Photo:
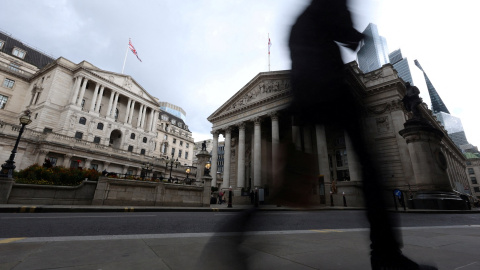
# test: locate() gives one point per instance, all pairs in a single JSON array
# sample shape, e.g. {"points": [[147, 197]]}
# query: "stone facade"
{"points": [[473, 172], [253, 125], [82, 116]]}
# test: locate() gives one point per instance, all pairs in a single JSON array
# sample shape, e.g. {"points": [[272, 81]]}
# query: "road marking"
{"points": [[37, 217], [326, 231], [465, 265], [215, 209], [129, 209], [10, 240]]}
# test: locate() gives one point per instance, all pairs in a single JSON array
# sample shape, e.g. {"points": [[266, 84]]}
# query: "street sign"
{"points": [[397, 193]]}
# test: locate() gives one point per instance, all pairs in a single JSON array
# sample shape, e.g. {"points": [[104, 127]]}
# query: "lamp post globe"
{"points": [[9, 165]]}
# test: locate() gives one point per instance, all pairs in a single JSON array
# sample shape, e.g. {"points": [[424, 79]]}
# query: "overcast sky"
{"points": [[197, 53]]}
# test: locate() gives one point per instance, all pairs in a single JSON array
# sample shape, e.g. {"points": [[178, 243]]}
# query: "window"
{"points": [[180, 153], [164, 148], [14, 67], [94, 167], [174, 140], [116, 114], [174, 122], [1, 43], [83, 103], [3, 101], [470, 171], [78, 135], [142, 152], [100, 126], [96, 139], [179, 125], [19, 53], [173, 151], [164, 117], [145, 139], [82, 120], [132, 136], [8, 83], [474, 180], [476, 189], [47, 130], [186, 155], [130, 148], [187, 145], [181, 143], [165, 137], [341, 156], [469, 163]]}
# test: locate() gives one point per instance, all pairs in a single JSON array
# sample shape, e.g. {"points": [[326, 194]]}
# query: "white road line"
{"points": [[124, 216], [465, 265], [212, 234]]}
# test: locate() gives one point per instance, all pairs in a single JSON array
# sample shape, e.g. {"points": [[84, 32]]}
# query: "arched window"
{"points": [[132, 136], [145, 139], [82, 120], [100, 126]]}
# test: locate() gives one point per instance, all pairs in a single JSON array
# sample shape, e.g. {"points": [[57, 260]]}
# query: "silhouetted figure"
{"points": [[204, 146], [411, 100], [47, 164], [321, 96]]}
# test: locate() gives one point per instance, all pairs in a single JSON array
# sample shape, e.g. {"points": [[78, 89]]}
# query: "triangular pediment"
{"points": [[124, 81], [264, 86]]}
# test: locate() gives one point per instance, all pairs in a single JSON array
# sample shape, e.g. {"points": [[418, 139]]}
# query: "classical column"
{"points": [[354, 167], [129, 103], [99, 100], [34, 99], [66, 160], [322, 152], [257, 153], [214, 168], [131, 113], [114, 107], [142, 123], [82, 92], [275, 146], [150, 122], [88, 162], [241, 156], [110, 103], [94, 99], [227, 155], [155, 118], [76, 88], [140, 113]]}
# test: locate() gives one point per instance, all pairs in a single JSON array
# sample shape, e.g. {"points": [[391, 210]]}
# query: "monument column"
{"points": [[226, 164], [214, 158], [110, 103], [66, 160], [354, 167], [275, 147], [82, 92], [114, 107], [99, 99], [257, 154], [88, 162], [241, 156]]}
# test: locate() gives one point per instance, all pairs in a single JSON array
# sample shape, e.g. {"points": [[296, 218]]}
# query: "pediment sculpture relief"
{"points": [[262, 90]]}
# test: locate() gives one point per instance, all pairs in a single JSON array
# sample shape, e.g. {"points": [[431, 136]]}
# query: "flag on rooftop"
{"points": [[130, 45], [269, 45]]}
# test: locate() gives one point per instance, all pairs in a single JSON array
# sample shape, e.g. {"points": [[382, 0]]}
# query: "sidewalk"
{"points": [[449, 247], [17, 208]]}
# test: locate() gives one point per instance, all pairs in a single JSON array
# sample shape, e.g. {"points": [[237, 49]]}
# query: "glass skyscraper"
{"points": [[401, 65], [437, 102], [373, 53]]}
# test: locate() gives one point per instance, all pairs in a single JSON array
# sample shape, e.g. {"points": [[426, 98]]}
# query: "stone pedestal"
{"points": [[429, 167], [207, 190], [203, 157], [5, 189]]}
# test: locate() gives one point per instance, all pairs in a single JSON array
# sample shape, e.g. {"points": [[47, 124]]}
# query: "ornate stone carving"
{"points": [[372, 76], [257, 120], [127, 83], [383, 124], [274, 115], [241, 125], [262, 90], [394, 105]]}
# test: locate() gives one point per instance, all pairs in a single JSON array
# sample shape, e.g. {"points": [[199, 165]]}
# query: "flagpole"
{"points": [[125, 60], [268, 35]]}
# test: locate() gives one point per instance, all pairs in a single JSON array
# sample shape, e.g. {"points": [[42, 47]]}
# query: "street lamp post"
{"points": [[187, 180], [9, 165], [171, 162], [146, 168]]}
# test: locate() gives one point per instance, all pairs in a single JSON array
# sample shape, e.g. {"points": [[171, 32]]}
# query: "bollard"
{"points": [[230, 197], [331, 198], [344, 200]]}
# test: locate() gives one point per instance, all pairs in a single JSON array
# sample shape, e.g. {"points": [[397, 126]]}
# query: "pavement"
{"points": [[447, 247], [19, 208]]}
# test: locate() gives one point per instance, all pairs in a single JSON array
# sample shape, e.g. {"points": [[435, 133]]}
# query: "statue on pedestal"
{"points": [[411, 100]]}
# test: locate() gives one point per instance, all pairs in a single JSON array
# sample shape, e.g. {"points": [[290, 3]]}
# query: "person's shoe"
{"points": [[396, 262]]}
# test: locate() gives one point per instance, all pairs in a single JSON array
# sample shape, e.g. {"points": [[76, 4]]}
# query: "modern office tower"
{"points": [[401, 65], [373, 53], [453, 125], [437, 103]]}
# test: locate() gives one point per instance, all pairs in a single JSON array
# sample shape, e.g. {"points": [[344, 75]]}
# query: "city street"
{"points": [[209, 240]]}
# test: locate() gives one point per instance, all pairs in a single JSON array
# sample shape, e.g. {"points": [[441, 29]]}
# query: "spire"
{"points": [[437, 103]]}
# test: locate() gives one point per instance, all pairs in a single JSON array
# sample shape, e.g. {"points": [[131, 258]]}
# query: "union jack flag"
{"points": [[130, 45]]}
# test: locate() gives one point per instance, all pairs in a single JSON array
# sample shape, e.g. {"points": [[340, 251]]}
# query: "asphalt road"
{"points": [[92, 224]]}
